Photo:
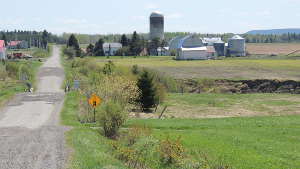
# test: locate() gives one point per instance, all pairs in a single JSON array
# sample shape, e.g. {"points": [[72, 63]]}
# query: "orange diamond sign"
{"points": [[94, 100]]}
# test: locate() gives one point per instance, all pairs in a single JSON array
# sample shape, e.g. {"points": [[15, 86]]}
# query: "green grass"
{"points": [[229, 68], [11, 86], [230, 105], [90, 149], [243, 143]]}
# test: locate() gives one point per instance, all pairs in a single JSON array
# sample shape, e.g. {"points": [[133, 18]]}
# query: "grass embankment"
{"points": [[242, 143], [91, 150], [230, 105], [229, 68], [11, 85]]}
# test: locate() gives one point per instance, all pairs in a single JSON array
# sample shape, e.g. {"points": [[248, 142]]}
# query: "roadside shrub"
{"points": [[135, 69], [171, 152], [12, 69], [3, 73], [25, 70], [70, 52], [111, 117], [41, 53], [109, 68], [118, 89], [135, 133]]}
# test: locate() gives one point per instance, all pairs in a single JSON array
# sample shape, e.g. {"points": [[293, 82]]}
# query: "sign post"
{"points": [[94, 101]]}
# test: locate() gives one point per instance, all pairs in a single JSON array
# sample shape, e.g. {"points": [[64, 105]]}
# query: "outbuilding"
{"points": [[110, 49]]}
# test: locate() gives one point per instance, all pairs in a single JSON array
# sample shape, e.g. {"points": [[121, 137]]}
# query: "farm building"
{"points": [[2, 50], [110, 49], [156, 25], [192, 48], [18, 45], [236, 46]]}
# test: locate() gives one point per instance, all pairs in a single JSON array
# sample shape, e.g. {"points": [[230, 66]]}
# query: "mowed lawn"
{"points": [[230, 68], [242, 143], [230, 105]]}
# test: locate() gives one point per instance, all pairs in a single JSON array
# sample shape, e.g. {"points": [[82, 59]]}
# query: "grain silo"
{"points": [[237, 46], [219, 47], [156, 26]]}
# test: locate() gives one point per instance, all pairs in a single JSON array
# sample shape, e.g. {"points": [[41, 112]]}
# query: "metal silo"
{"points": [[220, 47], [156, 25], [237, 46]]}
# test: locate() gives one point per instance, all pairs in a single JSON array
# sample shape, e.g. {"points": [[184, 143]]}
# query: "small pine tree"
{"points": [[73, 43], [98, 50], [147, 97]]}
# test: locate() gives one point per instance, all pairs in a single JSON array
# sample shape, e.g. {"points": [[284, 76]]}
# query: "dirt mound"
{"points": [[242, 86]]}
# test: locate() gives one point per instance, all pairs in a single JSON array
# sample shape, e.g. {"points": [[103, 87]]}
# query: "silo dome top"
{"points": [[236, 37], [156, 14]]}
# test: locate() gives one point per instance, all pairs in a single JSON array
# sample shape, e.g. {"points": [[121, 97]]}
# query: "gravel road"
{"points": [[30, 134]]}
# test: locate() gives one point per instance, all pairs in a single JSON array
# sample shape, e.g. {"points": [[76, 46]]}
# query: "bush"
{"points": [[70, 52], [109, 68], [135, 69], [12, 69], [171, 152], [112, 116]]}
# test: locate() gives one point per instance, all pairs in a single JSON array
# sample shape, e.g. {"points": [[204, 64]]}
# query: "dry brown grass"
{"points": [[272, 48]]}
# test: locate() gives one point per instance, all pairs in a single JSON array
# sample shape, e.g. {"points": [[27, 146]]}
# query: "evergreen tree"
{"points": [[154, 45], [147, 97], [73, 42], [124, 40], [45, 37], [98, 50], [135, 44]]}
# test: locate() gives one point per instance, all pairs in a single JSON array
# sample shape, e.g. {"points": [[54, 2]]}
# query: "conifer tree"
{"points": [[147, 97], [98, 50]]}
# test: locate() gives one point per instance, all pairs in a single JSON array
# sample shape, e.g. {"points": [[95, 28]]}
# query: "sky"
{"points": [[126, 16]]}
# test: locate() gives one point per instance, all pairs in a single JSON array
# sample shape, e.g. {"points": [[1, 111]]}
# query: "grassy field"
{"points": [[272, 48], [242, 143], [215, 69], [231, 105], [268, 139]]}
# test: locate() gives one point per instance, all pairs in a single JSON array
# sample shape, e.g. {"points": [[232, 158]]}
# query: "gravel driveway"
{"points": [[30, 135]]}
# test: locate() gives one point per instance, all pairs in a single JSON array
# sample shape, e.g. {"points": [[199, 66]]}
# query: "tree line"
{"points": [[34, 38], [136, 45]]}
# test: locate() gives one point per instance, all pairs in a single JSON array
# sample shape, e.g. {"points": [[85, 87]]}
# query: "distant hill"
{"points": [[274, 31]]}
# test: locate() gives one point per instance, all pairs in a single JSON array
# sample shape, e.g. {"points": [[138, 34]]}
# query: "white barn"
{"points": [[192, 48]]}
